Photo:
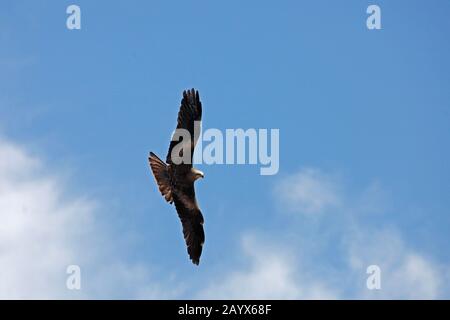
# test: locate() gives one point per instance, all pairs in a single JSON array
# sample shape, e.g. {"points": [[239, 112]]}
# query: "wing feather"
{"points": [[189, 117], [192, 222]]}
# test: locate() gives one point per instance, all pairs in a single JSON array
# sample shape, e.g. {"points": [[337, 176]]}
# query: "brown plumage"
{"points": [[175, 180]]}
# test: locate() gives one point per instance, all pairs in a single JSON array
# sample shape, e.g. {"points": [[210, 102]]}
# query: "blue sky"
{"points": [[364, 128]]}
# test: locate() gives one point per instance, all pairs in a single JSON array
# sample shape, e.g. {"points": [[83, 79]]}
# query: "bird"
{"points": [[175, 179]]}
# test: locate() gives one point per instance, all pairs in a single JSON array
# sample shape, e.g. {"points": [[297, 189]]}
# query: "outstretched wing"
{"points": [[189, 118], [191, 220], [172, 178]]}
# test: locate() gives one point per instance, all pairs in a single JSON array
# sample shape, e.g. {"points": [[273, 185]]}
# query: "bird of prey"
{"points": [[176, 179]]}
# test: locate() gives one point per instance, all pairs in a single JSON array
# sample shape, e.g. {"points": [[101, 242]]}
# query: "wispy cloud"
{"points": [[272, 272], [309, 191], [406, 272], [38, 227], [44, 229]]}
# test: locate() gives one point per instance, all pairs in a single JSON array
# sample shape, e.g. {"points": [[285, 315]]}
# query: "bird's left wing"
{"points": [[189, 118]]}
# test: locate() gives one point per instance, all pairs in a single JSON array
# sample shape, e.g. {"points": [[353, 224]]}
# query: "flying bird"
{"points": [[175, 179]]}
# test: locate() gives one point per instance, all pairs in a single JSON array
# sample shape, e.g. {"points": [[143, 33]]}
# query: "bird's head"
{"points": [[197, 174]]}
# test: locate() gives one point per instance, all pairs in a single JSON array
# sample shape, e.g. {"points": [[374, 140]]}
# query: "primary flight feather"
{"points": [[176, 179]]}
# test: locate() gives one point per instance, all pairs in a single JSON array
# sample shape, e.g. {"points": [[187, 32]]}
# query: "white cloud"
{"points": [[309, 191], [415, 278], [37, 229], [43, 230], [406, 272], [272, 273]]}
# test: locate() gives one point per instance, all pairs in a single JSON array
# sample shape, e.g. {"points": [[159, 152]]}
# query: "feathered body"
{"points": [[176, 181]]}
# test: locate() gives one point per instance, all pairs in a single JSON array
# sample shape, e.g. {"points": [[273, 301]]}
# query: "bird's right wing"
{"points": [[192, 221], [189, 118]]}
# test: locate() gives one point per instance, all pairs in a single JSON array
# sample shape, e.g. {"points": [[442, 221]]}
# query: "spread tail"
{"points": [[161, 174]]}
